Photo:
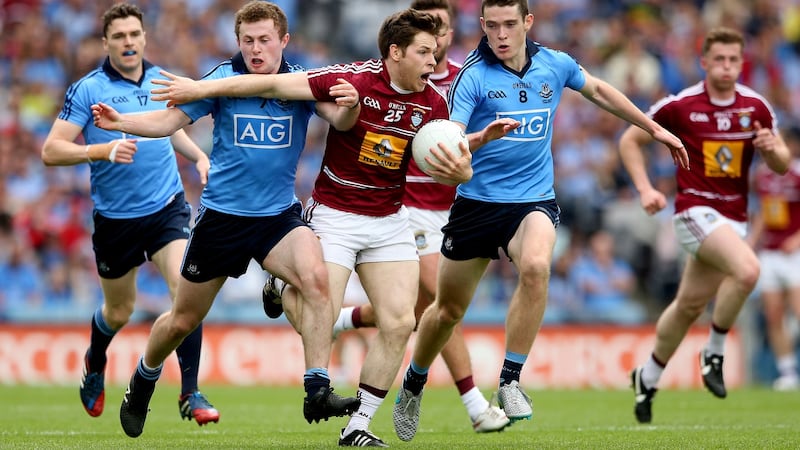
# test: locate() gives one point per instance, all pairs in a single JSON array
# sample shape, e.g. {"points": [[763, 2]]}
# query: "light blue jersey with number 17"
{"points": [[151, 182], [519, 167]]}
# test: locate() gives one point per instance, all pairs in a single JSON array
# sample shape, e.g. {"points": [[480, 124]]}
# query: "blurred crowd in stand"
{"points": [[613, 263]]}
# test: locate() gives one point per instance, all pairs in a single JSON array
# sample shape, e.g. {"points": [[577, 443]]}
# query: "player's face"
{"points": [[723, 65], [124, 42], [506, 31], [445, 38], [261, 46], [417, 64]]}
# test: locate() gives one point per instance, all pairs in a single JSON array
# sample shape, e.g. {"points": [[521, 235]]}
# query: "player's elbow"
{"points": [[47, 155], [785, 166]]}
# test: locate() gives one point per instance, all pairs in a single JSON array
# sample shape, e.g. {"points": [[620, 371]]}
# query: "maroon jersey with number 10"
{"points": [[364, 169], [719, 141]]}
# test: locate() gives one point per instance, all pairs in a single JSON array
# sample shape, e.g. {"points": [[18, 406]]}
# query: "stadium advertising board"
{"points": [[563, 357]]}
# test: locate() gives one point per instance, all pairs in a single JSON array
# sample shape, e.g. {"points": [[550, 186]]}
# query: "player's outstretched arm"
{"points": [[150, 124], [177, 90], [343, 114], [612, 100]]}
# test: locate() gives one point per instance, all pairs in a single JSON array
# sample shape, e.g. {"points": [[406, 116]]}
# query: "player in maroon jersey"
{"points": [[356, 207], [722, 124], [428, 204], [776, 231]]}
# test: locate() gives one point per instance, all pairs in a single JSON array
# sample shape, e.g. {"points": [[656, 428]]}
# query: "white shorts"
{"points": [[350, 239], [778, 270], [426, 225], [695, 224]]}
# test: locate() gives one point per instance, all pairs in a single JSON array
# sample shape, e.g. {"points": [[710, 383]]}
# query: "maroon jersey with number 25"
{"points": [[364, 169]]}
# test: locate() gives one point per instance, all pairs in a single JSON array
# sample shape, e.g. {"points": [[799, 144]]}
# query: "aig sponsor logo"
{"points": [[534, 124], [264, 132]]}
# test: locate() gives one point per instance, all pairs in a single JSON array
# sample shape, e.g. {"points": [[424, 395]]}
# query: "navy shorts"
{"points": [[479, 229], [223, 244], [122, 244]]}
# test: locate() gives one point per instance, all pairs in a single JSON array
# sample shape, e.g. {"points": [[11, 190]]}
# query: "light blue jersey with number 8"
{"points": [[519, 167]]}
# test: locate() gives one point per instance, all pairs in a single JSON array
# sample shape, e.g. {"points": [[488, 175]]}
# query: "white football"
{"points": [[429, 136]]}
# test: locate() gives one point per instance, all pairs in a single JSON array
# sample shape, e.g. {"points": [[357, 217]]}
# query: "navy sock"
{"points": [[413, 380], [189, 359], [99, 341], [510, 372], [145, 375], [316, 379]]}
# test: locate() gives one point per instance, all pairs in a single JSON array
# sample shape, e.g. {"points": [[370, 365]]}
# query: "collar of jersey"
{"points": [[114, 75], [531, 49]]}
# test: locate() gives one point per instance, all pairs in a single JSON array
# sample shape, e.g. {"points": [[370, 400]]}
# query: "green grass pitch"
{"points": [[271, 417]]}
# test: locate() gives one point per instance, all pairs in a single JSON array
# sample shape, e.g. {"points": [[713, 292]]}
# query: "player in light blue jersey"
{"points": [[248, 210], [509, 203], [139, 208]]}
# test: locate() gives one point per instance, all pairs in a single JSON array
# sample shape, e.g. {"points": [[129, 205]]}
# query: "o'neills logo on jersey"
{"points": [[416, 117], [266, 132], [382, 150]]}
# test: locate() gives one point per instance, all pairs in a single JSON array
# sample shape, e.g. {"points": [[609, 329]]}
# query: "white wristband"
{"points": [[113, 154]]}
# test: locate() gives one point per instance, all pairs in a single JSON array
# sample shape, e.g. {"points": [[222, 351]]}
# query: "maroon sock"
{"points": [[357, 323], [718, 329], [380, 393], [658, 361], [464, 385]]}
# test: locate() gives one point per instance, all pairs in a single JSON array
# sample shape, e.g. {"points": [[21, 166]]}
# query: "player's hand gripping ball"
{"points": [[429, 136]]}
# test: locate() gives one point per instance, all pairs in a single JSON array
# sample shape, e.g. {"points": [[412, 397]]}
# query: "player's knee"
{"points": [[314, 284], [449, 314], [118, 315], [747, 276], [691, 310], [534, 272], [399, 327], [181, 326]]}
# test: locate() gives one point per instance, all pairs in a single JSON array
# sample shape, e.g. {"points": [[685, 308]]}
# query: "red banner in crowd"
{"points": [[562, 357]]}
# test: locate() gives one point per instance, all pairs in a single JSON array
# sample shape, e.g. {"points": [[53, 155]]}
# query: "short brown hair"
{"points": [[120, 11], [400, 29], [722, 35], [257, 10], [522, 5]]}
